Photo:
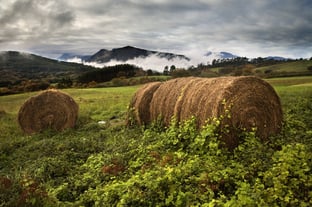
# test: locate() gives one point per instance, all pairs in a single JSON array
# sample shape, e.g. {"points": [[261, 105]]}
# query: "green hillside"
{"points": [[299, 67], [17, 66]]}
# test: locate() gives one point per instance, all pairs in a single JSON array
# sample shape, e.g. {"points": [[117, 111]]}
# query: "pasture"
{"points": [[109, 164]]}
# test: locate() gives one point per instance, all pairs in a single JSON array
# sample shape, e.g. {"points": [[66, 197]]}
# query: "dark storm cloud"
{"points": [[25, 20], [285, 22], [239, 26]]}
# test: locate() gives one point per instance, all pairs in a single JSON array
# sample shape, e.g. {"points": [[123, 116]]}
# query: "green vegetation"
{"points": [[16, 67], [23, 72], [108, 164], [290, 67], [266, 68]]}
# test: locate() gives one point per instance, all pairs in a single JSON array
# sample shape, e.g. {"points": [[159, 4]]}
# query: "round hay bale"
{"points": [[140, 102], [50, 109], [241, 103]]}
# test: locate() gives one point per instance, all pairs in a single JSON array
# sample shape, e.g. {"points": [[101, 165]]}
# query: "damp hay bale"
{"points": [[240, 103], [50, 109], [139, 105]]}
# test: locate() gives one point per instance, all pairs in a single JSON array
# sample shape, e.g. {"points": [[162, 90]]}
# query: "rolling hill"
{"points": [[17, 66]]}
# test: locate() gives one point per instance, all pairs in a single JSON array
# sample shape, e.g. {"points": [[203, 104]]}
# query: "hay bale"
{"points": [[243, 102], [50, 109], [140, 102]]}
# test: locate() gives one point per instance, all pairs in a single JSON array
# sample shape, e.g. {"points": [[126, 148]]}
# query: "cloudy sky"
{"points": [[248, 28]]}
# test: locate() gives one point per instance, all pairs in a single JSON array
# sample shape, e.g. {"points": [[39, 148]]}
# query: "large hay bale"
{"points": [[241, 103], [50, 109], [140, 103]]}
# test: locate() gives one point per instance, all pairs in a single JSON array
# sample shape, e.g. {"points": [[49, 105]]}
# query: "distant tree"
{"points": [[149, 72], [166, 70], [92, 84], [108, 73], [65, 83], [172, 68], [181, 73], [214, 62], [34, 85], [226, 70]]}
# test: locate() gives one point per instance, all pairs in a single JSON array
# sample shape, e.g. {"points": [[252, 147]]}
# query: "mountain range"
{"points": [[122, 54], [17, 66], [146, 59], [129, 53]]}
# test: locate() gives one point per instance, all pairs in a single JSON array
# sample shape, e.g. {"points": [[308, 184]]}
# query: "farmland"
{"points": [[109, 164]]}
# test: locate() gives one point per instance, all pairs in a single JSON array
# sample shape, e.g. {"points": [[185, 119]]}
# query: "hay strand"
{"points": [[50, 109]]}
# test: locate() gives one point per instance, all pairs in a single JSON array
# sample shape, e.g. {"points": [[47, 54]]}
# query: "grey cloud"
{"points": [[160, 24], [33, 18]]}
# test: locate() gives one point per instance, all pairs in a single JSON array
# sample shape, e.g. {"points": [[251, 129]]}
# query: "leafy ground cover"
{"points": [[109, 164]]}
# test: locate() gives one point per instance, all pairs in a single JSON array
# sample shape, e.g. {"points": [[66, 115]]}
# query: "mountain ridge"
{"points": [[128, 53], [220, 55]]}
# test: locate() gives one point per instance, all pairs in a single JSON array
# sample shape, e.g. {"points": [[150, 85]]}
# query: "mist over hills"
{"points": [[17, 66], [20, 71], [68, 56], [147, 59], [128, 52], [220, 55]]}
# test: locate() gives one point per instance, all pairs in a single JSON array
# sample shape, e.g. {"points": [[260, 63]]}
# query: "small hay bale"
{"points": [[243, 103], [50, 109], [140, 102]]}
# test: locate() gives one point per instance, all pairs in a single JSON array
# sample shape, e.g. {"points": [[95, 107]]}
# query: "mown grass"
{"points": [[95, 104], [103, 103], [104, 99], [109, 165]]}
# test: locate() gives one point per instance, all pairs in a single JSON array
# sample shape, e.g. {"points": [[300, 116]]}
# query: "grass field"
{"points": [[111, 165], [104, 103], [297, 66]]}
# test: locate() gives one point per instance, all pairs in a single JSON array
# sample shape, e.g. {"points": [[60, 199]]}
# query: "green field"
{"points": [[112, 165], [288, 67]]}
